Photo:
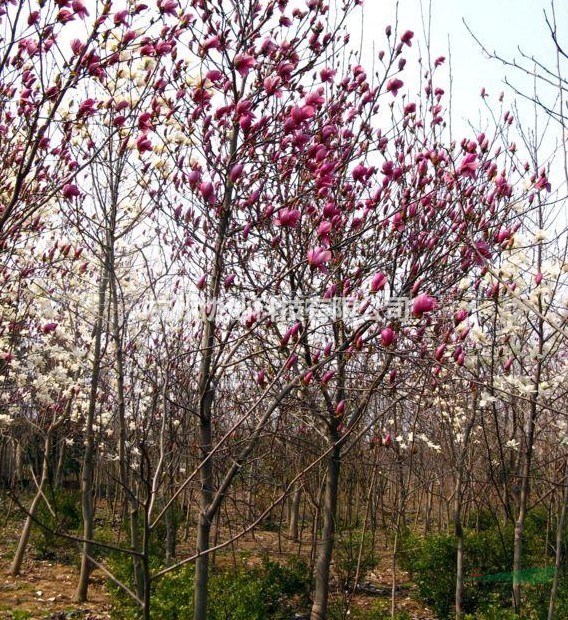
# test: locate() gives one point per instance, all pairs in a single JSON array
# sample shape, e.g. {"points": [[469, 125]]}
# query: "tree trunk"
{"points": [[206, 388], [87, 476], [325, 550], [523, 503], [203, 525], [294, 512], [559, 537], [26, 531], [459, 570]]}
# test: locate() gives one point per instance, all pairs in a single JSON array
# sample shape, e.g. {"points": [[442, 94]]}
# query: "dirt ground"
{"points": [[45, 589]]}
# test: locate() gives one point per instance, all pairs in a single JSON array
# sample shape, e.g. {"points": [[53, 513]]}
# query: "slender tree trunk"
{"points": [[459, 567], [429, 501], [458, 525], [26, 531], [295, 512], [325, 550], [203, 524], [87, 476], [206, 399], [171, 532], [559, 537], [523, 503]]}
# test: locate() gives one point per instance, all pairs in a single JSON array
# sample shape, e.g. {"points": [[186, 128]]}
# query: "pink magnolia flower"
{"points": [[303, 113], [144, 121], [318, 256], [33, 18], [272, 85], [244, 63], [460, 316], [167, 7], [65, 15], [468, 166], [324, 229], [307, 377], [483, 249], [194, 177], [162, 47], [214, 75], [119, 18], [330, 210], [207, 191], [79, 9], [287, 217], [87, 108], [340, 408], [143, 143], [229, 280], [330, 291], [422, 304], [48, 328], [543, 182], [291, 361], [387, 336], [70, 191], [440, 352], [76, 47], [538, 278], [327, 74], [211, 43], [361, 173], [394, 85], [503, 235], [295, 329], [315, 98], [378, 282], [236, 172], [407, 37], [327, 377]]}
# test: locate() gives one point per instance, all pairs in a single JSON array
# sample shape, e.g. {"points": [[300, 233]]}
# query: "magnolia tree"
{"points": [[267, 231], [304, 197]]}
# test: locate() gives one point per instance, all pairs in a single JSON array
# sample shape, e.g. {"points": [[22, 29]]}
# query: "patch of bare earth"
{"points": [[45, 589]]}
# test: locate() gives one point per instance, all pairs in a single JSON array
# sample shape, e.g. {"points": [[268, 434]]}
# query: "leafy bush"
{"points": [[66, 519], [487, 551], [264, 592], [431, 562], [348, 544]]}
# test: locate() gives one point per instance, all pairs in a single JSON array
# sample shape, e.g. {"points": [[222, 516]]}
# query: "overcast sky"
{"points": [[502, 25]]}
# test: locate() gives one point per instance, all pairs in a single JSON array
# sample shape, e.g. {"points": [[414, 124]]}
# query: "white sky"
{"points": [[502, 25]]}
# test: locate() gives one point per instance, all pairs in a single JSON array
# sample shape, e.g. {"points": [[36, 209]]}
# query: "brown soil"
{"points": [[45, 589]]}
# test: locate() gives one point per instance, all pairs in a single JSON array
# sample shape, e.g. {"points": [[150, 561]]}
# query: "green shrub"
{"points": [[431, 562], [348, 544], [265, 592], [67, 519], [487, 552]]}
